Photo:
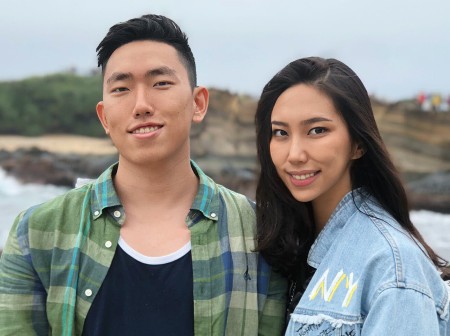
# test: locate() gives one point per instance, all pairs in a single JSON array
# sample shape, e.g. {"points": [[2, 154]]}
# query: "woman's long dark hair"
{"points": [[285, 227]]}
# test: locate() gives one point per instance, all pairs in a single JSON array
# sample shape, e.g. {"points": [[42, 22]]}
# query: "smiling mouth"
{"points": [[145, 130], [304, 176]]}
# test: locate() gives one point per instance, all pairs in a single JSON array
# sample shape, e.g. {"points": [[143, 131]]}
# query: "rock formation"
{"points": [[224, 146]]}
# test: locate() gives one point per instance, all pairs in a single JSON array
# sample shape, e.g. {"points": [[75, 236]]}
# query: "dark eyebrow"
{"points": [[123, 76], [119, 76], [303, 122], [279, 123], [164, 70], [315, 120]]}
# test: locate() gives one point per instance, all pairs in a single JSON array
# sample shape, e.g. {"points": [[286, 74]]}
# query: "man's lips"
{"points": [[145, 128]]}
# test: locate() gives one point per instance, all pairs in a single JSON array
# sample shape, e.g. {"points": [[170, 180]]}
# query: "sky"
{"points": [[398, 48]]}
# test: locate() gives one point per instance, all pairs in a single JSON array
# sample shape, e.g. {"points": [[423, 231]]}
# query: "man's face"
{"points": [[148, 104]]}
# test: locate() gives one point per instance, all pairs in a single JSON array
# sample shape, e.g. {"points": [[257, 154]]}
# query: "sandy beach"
{"points": [[404, 159], [75, 144]]}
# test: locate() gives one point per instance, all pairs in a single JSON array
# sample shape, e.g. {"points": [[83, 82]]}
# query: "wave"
{"points": [[16, 196]]}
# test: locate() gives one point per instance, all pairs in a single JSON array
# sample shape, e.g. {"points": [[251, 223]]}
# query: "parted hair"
{"points": [[285, 226]]}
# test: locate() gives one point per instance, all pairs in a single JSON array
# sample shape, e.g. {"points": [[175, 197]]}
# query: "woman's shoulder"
{"points": [[390, 254]]}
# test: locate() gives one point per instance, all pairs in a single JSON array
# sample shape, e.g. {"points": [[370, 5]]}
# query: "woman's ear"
{"points": [[358, 152]]}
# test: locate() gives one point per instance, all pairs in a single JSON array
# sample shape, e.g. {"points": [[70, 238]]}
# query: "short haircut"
{"points": [[152, 28]]}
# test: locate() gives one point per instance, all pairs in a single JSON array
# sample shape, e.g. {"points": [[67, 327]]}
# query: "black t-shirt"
{"points": [[144, 296]]}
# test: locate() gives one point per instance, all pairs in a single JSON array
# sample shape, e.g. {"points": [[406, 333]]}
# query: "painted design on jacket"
{"points": [[327, 292]]}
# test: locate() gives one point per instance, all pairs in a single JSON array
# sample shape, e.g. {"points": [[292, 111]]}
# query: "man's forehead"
{"points": [[147, 56]]}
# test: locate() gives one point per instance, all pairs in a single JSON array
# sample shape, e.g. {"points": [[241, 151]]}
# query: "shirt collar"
{"points": [[104, 194], [207, 199]]}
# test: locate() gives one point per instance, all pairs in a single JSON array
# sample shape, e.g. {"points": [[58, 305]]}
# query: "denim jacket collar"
{"points": [[349, 204]]}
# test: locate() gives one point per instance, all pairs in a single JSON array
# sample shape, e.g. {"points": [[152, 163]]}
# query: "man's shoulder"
{"points": [[229, 196], [240, 213], [234, 198], [65, 206]]}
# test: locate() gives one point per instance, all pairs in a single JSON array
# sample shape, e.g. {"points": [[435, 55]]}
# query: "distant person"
{"points": [[333, 215], [436, 101], [427, 106], [153, 246], [421, 99]]}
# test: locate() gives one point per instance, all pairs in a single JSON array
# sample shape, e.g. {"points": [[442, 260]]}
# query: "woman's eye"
{"points": [[279, 133], [317, 130]]}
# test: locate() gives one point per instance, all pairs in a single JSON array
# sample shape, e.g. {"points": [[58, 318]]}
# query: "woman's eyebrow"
{"points": [[315, 120], [303, 122]]}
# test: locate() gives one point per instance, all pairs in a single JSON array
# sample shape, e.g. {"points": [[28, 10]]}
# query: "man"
{"points": [[153, 246]]}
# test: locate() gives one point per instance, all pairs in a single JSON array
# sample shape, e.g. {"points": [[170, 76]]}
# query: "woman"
{"points": [[333, 215]]}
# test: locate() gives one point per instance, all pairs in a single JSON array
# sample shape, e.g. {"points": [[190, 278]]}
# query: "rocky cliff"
{"points": [[224, 146]]}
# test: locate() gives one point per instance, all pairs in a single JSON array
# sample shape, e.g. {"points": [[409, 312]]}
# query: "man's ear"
{"points": [[100, 108], [201, 100]]}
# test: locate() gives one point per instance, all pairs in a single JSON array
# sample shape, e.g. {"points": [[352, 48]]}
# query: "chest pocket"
{"points": [[319, 325]]}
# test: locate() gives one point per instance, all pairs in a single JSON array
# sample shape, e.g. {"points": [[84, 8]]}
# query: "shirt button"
{"points": [[96, 213], [213, 215], [108, 244], [117, 214], [88, 292]]}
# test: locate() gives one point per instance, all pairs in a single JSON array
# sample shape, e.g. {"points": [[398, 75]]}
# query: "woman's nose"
{"points": [[297, 152]]}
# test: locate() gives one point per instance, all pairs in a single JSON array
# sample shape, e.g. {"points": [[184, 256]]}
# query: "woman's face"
{"points": [[311, 147]]}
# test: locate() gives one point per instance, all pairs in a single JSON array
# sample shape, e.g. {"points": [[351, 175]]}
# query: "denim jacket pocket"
{"points": [[323, 325]]}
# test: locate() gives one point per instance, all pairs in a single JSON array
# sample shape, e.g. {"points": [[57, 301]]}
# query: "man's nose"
{"points": [[143, 106]]}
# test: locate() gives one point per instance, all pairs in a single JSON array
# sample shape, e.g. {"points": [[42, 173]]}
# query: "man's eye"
{"points": [[163, 83], [119, 89], [317, 130]]}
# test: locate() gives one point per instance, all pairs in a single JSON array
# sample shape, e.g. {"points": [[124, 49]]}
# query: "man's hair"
{"points": [[148, 27]]}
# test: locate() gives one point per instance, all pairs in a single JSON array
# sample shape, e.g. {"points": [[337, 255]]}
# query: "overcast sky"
{"points": [[397, 47]]}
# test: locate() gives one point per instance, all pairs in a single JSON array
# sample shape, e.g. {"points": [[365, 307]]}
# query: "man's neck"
{"points": [[156, 199], [155, 184]]}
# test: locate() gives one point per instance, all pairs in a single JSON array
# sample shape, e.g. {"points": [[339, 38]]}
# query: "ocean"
{"points": [[15, 197]]}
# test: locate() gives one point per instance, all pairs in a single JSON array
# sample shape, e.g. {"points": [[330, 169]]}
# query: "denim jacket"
{"points": [[371, 278]]}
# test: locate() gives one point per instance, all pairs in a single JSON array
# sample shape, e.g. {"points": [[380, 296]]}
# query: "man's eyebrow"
{"points": [[122, 76], [119, 76], [164, 70]]}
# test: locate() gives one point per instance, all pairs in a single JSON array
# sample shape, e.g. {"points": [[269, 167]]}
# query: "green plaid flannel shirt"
{"points": [[59, 252]]}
